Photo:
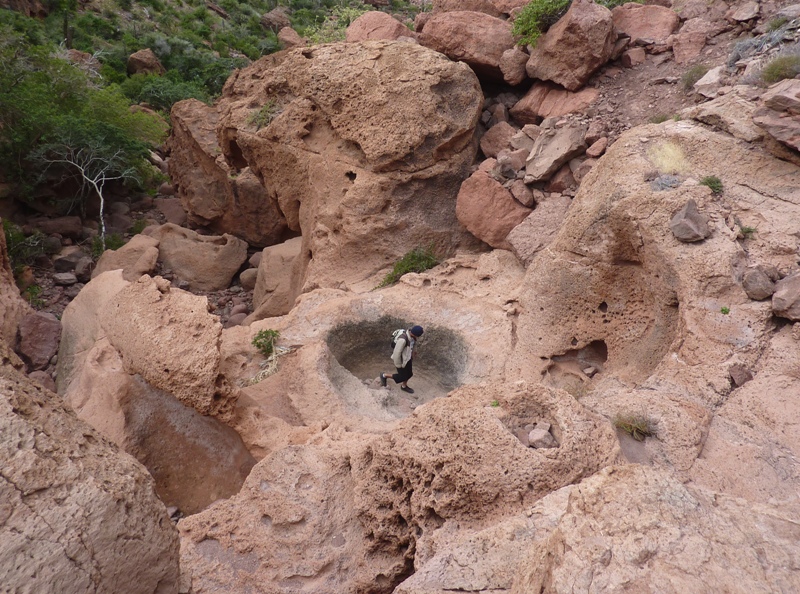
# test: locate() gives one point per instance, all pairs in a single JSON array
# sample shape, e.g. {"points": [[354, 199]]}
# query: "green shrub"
{"points": [[265, 340], [539, 15], [747, 232], [713, 182], [724, 310], [659, 119], [333, 27], [638, 426], [776, 24], [691, 76], [780, 68], [162, 92], [114, 241], [138, 226], [22, 250], [32, 295], [417, 260], [264, 116]]}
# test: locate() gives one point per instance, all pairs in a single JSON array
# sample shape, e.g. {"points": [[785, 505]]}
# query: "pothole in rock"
{"points": [[572, 371], [364, 350]]}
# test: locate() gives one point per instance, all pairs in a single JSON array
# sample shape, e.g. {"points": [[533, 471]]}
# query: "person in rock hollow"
{"points": [[402, 357]]}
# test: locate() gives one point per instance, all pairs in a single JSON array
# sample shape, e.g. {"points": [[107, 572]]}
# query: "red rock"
{"points": [[376, 25], [39, 336], [212, 194], [633, 57], [639, 21], [276, 19], [484, 6], [144, 62], [690, 40], [512, 65], [488, 210], [475, 38], [597, 148], [545, 100], [290, 38], [497, 138], [561, 181], [575, 47]]}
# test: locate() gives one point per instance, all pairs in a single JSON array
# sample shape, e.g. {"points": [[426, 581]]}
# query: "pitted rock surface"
{"points": [[78, 515]]}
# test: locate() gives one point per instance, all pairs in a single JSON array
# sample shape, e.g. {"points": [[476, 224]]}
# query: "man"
{"points": [[403, 357]]}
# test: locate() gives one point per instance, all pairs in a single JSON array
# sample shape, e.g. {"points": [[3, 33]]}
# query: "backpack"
{"points": [[397, 334]]}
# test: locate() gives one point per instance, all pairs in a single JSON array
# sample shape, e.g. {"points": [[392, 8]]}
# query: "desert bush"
{"points": [[417, 260], [780, 68], [265, 115], [162, 92], [333, 27], [265, 340], [713, 182], [668, 158], [22, 249], [638, 425], [538, 16], [776, 23], [691, 76]]}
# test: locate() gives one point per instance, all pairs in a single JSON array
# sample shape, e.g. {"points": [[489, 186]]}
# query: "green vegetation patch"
{"points": [[638, 426], [538, 16], [712, 182], [781, 68], [691, 76], [265, 340], [417, 260]]}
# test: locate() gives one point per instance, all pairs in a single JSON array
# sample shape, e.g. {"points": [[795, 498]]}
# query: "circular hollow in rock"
{"points": [[364, 349]]}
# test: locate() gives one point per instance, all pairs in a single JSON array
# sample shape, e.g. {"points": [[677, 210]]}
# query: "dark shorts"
{"points": [[403, 374]]}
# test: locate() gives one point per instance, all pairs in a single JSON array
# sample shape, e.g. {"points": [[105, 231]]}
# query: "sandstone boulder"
{"points": [[689, 224], [757, 283], [168, 337], [276, 288], [538, 229], [372, 187], [512, 65], [376, 25], [214, 195], [78, 515], [497, 138], [475, 38], [786, 299], [690, 40], [652, 24], [194, 459], [12, 306], [137, 257], [731, 112], [275, 20], [207, 263], [485, 6], [144, 62], [39, 335], [290, 38], [545, 100], [488, 210], [552, 149], [700, 536], [575, 47]]}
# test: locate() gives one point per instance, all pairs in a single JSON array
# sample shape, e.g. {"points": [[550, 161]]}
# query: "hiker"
{"points": [[402, 357]]}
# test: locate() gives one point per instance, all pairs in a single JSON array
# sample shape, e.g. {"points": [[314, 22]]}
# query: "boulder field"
{"points": [[606, 390]]}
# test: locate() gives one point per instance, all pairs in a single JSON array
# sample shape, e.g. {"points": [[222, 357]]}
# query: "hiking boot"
{"points": [[383, 380], [407, 389]]}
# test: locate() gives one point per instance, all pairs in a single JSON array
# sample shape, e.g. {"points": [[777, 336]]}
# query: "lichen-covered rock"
{"points": [[77, 515]]}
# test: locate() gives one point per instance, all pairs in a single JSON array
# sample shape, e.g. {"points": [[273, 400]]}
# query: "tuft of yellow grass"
{"points": [[668, 158]]}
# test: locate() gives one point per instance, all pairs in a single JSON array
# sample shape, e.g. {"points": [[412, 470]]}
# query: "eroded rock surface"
{"points": [[77, 515]]}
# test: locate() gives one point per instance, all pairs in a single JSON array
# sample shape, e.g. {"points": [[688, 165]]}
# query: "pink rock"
{"points": [[539, 228], [235, 320], [471, 37], [784, 96], [172, 210], [690, 40], [597, 148], [633, 57], [290, 38], [376, 25], [512, 65], [639, 21], [44, 379], [497, 138], [562, 180], [488, 210], [39, 336], [144, 62], [575, 47], [545, 100], [484, 6]]}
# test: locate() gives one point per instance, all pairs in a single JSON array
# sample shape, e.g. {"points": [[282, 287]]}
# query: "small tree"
{"points": [[93, 156]]}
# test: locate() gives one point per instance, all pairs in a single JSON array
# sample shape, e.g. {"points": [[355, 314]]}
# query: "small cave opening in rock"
{"points": [[364, 349]]}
